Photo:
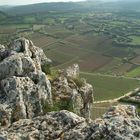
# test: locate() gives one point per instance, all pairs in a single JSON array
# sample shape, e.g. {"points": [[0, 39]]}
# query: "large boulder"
{"points": [[21, 58], [119, 123], [16, 65]]}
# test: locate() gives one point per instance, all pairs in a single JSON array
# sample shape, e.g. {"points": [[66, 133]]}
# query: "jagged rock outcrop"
{"points": [[68, 86], [25, 89], [72, 71], [21, 58], [23, 85], [119, 123]]}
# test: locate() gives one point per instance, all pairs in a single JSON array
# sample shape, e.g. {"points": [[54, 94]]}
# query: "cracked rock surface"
{"points": [[23, 85]]}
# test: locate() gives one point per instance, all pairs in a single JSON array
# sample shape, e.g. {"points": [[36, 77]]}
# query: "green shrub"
{"points": [[64, 105], [47, 107], [54, 74], [58, 105], [46, 68], [79, 81]]}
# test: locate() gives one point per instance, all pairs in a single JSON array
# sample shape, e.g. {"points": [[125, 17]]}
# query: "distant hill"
{"points": [[89, 5], [2, 15], [45, 7], [127, 5]]}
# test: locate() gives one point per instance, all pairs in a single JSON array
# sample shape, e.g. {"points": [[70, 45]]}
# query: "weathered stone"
{"points": [[43, 85], [28, 49], [72, 71], [86, 92], [23, 85], [16, 65], [24, 97], [2, 52], [65, 88], [21, 59], [68, 126], [5, 115]]}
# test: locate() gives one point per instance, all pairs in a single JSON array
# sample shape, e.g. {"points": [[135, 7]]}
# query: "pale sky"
{"points": [[23, 2]]}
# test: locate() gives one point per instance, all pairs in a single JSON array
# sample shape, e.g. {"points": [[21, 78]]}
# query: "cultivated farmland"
{"points": [[104, 42]]}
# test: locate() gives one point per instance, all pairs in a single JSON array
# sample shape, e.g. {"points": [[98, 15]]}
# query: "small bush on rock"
{"points": [[58, 105], [46, 69], [79, 81]]}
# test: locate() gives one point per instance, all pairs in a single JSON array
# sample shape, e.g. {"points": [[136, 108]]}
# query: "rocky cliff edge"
{"points": [[27, 93]]}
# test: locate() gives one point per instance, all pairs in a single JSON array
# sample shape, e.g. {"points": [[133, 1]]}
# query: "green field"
{"points": [[134, 73], [135, 40], [109, 87]]}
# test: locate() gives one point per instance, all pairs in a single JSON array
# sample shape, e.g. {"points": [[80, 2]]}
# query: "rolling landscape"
{"points": [[102, 37], [70, 70]]}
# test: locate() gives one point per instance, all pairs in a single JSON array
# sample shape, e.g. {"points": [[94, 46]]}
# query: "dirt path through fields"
{"points": [[117, 99]]}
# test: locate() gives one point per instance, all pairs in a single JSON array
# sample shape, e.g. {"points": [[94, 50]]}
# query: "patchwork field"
{"points": [[102, 43], [118, 52], [91, 42], [136, 60], [92, 62], [124, 68], [41, 39]]}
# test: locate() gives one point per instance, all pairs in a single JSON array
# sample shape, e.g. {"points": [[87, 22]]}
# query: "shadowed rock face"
{"points": [[119, 123]]}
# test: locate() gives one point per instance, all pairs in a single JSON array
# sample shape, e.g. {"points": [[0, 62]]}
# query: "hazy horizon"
{"points": [[26, 2]]}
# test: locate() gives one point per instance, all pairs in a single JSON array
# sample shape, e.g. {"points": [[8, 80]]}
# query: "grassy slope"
{"points": [[109, 87]]}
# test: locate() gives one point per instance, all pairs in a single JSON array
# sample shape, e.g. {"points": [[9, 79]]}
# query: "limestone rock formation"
{"points": [[23, 85], [72, 71], [119, 123], [25, 89], [68, 86]]}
